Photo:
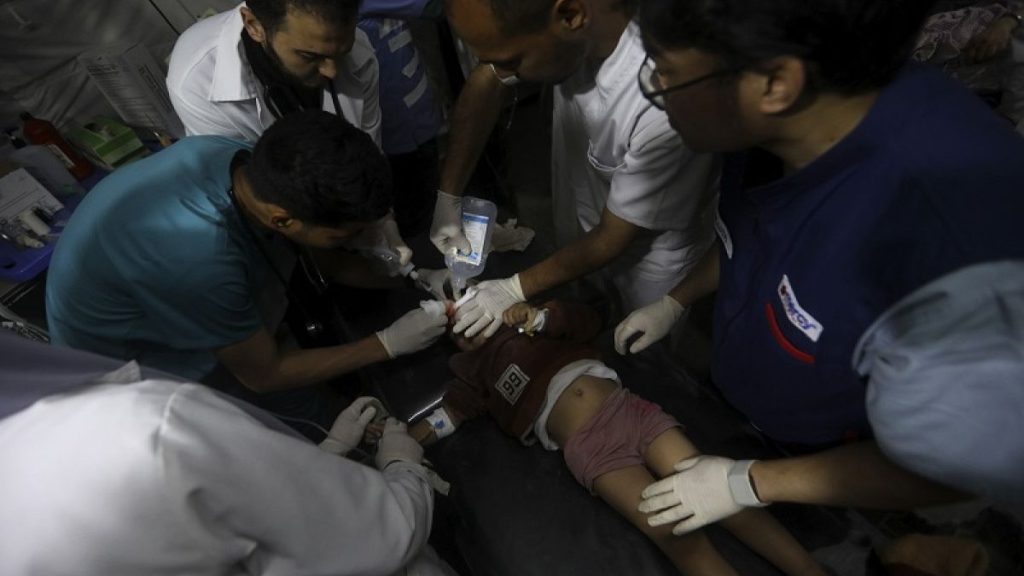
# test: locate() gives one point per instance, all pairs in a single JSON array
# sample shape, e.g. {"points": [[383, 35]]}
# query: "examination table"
{"points": [[517, 510]]}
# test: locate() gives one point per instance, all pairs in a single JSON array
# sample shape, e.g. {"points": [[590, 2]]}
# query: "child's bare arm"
{"points": [[423, 431]]}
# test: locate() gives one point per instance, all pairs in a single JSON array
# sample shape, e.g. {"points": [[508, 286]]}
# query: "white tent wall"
{"points": [[40, 41]]}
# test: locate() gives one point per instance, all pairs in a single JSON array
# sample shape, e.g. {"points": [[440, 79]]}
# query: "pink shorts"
{"points": [[616, 437]]}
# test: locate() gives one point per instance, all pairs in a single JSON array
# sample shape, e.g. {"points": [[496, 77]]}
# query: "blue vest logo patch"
{"points": [[797, 315]]}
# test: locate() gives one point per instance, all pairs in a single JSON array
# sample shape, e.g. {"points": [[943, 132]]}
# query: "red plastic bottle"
{"points": [[43, 133]]}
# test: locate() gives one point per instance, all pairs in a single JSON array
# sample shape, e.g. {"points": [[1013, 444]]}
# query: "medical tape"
{"points": [[441, 423]]}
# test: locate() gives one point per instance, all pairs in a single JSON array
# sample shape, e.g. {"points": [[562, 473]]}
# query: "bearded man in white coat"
{"points": [[236, 73]]}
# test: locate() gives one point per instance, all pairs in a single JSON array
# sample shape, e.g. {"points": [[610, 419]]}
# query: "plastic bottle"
{"points": [[48, 169], [478, 219], [39, 131]]}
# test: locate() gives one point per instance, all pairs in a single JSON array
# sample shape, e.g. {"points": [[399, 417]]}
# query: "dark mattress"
{"points": [[516, 510]]}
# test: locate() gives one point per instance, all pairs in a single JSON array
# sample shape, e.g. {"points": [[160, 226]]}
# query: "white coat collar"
{"points": [[623, 63], [233, 78]]}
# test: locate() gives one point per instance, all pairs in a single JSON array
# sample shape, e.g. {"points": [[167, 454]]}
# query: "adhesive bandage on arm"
{"points": [[440, 423]]}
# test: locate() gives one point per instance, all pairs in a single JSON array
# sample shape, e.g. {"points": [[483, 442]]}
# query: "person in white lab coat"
{"points": [[235, 73], [109, 470], [619, 172]]}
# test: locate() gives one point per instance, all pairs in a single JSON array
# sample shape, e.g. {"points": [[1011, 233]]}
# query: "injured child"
{"points": [[541, 381]]}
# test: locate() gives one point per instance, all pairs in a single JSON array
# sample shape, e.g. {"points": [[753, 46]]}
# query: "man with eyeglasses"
{"points": [[631, 201], [870, 270]]}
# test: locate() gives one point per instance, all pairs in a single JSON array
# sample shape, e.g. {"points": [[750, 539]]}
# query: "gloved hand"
{"points": [[433, 281], [482, 308], [397, 446], [704, 490], [412, 332], [654, 321], [389, 229], [446, 229], [349, 426]]}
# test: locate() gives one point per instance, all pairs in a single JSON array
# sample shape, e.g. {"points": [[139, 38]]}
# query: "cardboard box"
{"points": [[23, 257], [135, 85], [108, 143], [20, 192]]}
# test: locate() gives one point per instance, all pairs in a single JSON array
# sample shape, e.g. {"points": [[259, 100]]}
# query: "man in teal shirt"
{"points": [[179, 261]]}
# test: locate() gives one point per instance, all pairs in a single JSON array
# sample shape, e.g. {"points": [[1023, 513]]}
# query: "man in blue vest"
{"points": [[869, 267]]}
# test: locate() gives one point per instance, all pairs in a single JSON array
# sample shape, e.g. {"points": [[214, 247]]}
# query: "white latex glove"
{"points": [[397, 446], [433, 281], [654, 321], [348, 428], [481, 308], [412, 332], [446, 229], [389, 229], [704, 490]]}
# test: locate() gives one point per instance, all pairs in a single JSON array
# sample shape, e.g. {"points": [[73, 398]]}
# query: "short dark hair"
{"points": [[526, 16], [271, 13], [849, 45], [321, 169], [521, 16]]}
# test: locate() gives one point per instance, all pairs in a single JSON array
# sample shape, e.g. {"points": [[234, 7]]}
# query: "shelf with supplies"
{"points": [[24, 251]]}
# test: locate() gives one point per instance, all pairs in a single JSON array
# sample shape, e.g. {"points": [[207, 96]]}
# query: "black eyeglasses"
{"points": [[649, 87]]}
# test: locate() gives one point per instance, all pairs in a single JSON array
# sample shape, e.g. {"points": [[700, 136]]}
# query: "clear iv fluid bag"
{"points": [[478, 220]]}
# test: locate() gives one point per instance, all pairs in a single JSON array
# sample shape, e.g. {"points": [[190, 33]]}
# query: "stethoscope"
{"points": [[270, 98], [270, 94]]}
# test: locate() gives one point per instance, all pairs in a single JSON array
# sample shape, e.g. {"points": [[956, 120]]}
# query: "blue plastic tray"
{"points": [[23, 265]]}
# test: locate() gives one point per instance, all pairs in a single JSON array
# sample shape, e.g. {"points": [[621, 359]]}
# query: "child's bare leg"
{"points": [[582, 401], [693, 554], [761, 532]]}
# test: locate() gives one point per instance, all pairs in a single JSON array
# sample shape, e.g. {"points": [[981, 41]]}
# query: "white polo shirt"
{"points": [[612, 148], [214, 90]]}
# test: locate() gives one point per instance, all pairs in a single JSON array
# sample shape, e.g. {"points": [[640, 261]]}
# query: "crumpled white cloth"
{"points": [[508, 236], [946, 34]]}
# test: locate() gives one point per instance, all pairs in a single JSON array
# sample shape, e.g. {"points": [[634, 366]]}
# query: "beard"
{"points": [[313, 80]]}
